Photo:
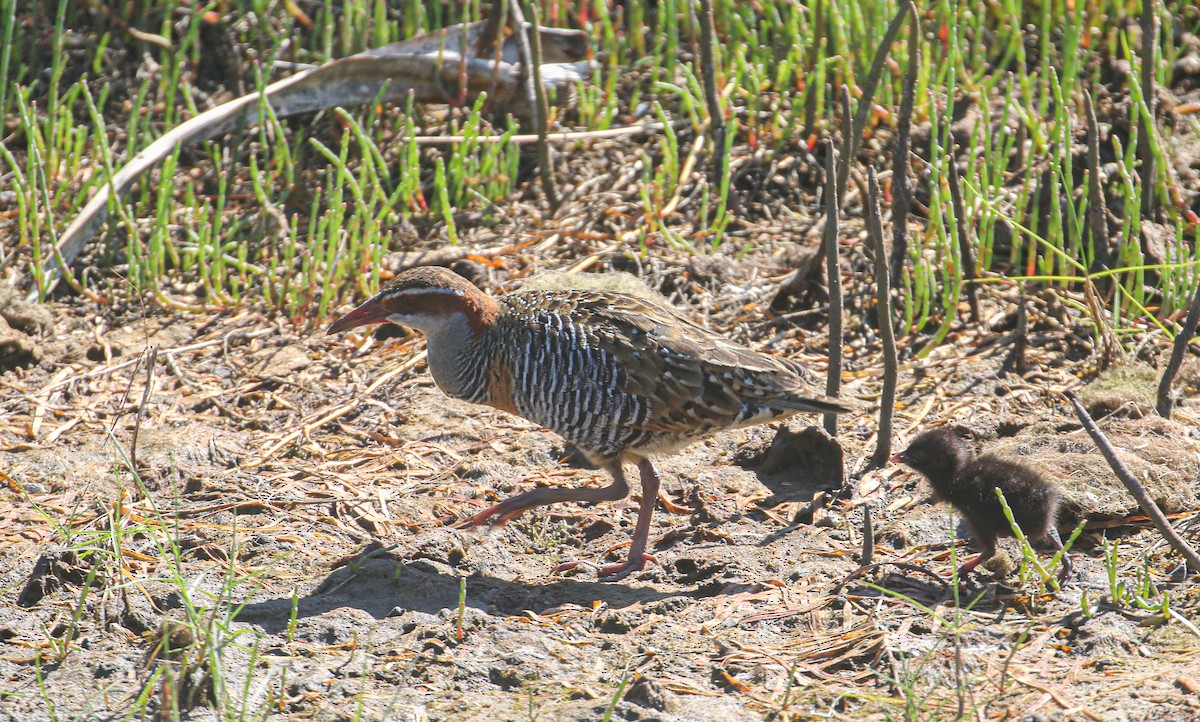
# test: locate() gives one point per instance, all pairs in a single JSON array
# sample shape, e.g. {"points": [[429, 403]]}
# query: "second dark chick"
{"points": [[969, 485]]}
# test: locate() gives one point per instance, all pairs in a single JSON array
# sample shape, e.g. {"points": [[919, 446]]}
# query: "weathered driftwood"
{"points": [[432, 68]]}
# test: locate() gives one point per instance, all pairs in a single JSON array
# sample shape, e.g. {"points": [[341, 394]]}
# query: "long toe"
{"points": [[608, 572], [1067, 570], [499, 514], [617, 572], [513, 507], [568, 566]]}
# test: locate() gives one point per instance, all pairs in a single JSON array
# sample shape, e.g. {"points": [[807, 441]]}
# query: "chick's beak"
{"points": [[898, 458], [370, 312]]}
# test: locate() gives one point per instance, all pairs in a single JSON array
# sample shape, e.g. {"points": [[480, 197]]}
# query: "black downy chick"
{"points": [[970, 487]]}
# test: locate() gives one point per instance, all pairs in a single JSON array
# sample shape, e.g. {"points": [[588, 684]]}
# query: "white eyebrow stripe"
{"points": [[425, 290]]}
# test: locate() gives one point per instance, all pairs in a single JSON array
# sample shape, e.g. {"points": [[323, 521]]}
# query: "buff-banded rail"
{"points": [[623, 378]]}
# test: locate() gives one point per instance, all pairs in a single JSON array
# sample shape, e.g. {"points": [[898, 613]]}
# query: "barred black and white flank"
{"points": [[620, 377]]}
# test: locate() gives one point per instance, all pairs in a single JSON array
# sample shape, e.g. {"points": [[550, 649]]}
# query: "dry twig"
{"points": [[833, 374], [1135, 488], [965, 250], [716, 116], [531, 58], [901, 182], [884, 315], [1182, 341], [151, 357], [1145, 149]]}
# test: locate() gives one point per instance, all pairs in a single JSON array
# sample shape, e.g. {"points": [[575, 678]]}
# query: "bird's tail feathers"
{"points": [[817, 404]]}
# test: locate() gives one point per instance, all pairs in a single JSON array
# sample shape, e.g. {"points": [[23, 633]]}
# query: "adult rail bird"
{"points": [[622, 378]]}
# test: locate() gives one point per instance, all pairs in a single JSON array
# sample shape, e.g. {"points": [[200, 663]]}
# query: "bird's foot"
{"points": [[966, 575], [1067, 570], [609, 572], [961, 577]]}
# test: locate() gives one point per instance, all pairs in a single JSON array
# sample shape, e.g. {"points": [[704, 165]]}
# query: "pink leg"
{"points": [[511, 508], [989, 551], [1056, 544], [641, 534]]}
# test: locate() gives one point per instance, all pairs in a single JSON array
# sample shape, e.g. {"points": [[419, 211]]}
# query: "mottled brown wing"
{"points": [[698, 379]]}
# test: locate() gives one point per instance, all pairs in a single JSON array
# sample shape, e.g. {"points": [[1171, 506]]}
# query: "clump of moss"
{"points": [[1127, 391]]}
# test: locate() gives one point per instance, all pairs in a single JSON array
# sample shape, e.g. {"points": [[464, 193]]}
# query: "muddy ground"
{"points": [[291, 546]]}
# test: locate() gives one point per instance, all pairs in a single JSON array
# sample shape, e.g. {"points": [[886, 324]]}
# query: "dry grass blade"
{"points": [[151, 357], [325, 417]]}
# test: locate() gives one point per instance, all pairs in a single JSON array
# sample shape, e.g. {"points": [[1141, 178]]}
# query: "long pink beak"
{"points": [[370, 312]]}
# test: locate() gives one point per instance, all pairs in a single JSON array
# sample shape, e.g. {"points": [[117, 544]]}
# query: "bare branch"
{"points": [[1149, 508]]}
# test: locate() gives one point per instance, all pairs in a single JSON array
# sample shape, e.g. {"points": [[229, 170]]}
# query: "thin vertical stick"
{"points": [[487, 44], [1017, 355], [1182, 340], [966, 251], [151, 357], [1097, 213], [814, 49], [531, 58], [901, 182], [868, 541], [866, 100], [883, 314], [543, 104], [848, 145], [833, 376], [812, 269], [1145, 149], [839, 179], [708, 68], [1149, 508]]}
